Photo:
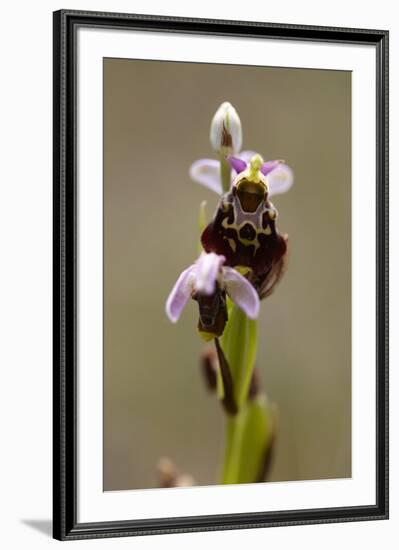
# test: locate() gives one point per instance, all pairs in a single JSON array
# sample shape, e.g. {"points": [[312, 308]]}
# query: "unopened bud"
{"points": [[185, 480], [226, 132], [209, 364], [167, 473]]}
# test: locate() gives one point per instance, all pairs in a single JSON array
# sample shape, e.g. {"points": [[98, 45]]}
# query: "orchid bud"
{"points": [[167, 472], [226, 133], [169, 476], [209, 365]]}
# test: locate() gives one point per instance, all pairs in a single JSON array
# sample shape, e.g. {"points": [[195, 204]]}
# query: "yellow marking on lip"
{"points": [[233, 244], [247, 242], [272, 213], [226, 224], [243, 269]]}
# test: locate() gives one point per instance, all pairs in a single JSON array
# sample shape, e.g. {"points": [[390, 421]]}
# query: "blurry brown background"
{"points": [[156, 122]]}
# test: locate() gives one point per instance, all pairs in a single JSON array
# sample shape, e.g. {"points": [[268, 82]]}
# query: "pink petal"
{"points": [[280, 180], [268, 166], [241, 292], [237, 164], [180, 294], [208, 266], [207, 173]]}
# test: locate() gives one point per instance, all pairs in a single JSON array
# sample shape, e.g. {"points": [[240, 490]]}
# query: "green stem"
{"points": [[228, 464], [232, 458], [249, 435], [239, 345], [250, 357]]}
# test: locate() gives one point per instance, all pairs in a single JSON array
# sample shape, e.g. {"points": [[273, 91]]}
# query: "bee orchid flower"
{"points": [[209, 279], [207, 173], [243, 257]]}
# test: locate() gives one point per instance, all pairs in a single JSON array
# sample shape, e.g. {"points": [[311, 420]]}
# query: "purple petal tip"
{"points": [[269, 166], [237, 164]]}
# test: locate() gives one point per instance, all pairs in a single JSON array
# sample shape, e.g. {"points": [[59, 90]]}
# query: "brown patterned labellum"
{"points": [[244, 231]]}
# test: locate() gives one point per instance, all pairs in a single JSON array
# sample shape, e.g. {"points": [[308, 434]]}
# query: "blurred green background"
{"points": [[156, 122]]}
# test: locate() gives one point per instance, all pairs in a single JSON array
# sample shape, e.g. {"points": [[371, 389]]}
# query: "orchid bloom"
{"points": [[202, 277], [207, 172]]}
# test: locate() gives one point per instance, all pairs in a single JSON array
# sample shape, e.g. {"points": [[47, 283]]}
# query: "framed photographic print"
{"points": [[220, 274]]}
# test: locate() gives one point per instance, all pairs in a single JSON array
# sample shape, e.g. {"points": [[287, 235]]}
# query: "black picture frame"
{"points": [[66, 23]]}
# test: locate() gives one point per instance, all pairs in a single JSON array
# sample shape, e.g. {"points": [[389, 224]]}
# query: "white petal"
{"points": [[280, 180], [207, 173], [235, 129], [208, 266], [180, 293], [241, 292]]}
